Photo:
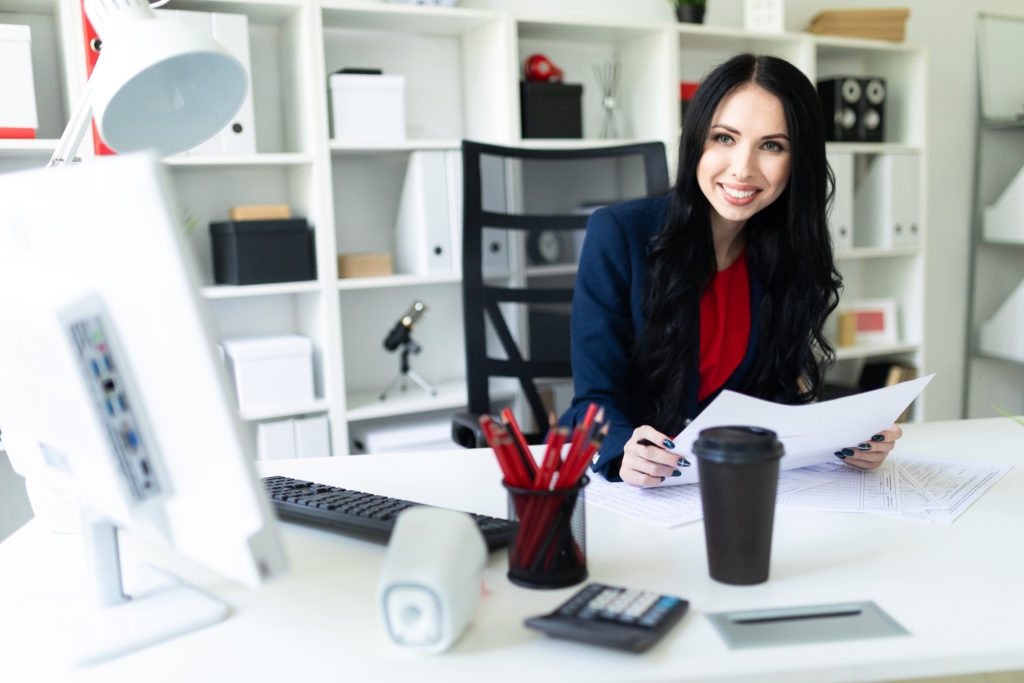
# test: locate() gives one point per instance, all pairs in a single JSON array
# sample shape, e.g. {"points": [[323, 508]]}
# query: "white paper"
{"points": [[940, 491], [840, 488], [811, 433]]}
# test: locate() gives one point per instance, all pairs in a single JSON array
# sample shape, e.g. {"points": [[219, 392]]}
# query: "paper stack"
{"points": [[880, 24]]}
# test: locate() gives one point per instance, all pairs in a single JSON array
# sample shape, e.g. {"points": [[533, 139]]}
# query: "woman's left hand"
{"points": [[871, 453]]}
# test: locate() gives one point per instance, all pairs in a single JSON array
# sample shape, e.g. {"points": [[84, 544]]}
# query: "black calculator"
{"points": [[611, 616]]}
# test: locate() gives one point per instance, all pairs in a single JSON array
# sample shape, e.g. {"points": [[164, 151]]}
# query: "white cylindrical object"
{"points": [[430, 582]]}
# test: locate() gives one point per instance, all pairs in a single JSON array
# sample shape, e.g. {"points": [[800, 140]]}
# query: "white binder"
{"points": [[429, 223], [886, 206], [840, 217], [231, 31]]}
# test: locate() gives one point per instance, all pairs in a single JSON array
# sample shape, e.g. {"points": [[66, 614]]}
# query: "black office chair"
{"points": [[524, 217]]}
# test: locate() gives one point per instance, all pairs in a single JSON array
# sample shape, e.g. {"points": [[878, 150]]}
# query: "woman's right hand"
{"points": [[645, 460]]}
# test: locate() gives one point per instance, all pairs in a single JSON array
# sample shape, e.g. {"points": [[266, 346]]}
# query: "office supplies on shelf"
{"points": [[880, 24], [431, 580], [356, 511], [18, 116], [272, 372], [365, 265], [231, 30], [260, 251], [367, 107], [612, 616], [428, 225], [810, 433], [259, 212], [805, 624]]}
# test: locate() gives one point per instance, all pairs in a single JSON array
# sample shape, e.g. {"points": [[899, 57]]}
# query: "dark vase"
{"points": [[691, 14]]}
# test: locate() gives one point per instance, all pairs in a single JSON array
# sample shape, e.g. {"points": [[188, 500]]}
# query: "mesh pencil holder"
{"points": [[546, 536]]}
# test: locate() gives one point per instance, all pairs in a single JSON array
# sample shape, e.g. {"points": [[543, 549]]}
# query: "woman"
{"points": [[724, 283]]}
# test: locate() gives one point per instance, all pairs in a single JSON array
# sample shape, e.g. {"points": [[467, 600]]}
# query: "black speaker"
{"points": [[853, 108]]}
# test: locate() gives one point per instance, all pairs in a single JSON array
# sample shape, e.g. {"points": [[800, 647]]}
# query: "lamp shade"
{"points": [[162, 85]]}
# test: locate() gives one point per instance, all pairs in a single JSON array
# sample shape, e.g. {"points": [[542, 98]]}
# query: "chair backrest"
{"points": [[524, 218]]}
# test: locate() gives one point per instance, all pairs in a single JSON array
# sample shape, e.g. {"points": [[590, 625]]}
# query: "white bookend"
{"points": [[1004, 220], [1003, 333], [423, 234]]}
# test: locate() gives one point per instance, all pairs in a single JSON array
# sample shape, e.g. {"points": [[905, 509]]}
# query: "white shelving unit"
{"points": [[995, 357], [461, 69]]}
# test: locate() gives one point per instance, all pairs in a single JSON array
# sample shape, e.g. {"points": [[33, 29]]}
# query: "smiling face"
{"points": [[747, 156]]}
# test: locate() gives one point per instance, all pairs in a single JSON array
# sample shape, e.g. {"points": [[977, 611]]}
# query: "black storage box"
{"points": [[255, 252], [551, 110]]}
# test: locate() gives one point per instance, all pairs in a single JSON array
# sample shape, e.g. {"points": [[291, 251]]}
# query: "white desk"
{"points": [[959, 590]]}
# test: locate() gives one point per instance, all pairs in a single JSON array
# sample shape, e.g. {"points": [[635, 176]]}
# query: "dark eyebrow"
{"points": [[732, 130]]}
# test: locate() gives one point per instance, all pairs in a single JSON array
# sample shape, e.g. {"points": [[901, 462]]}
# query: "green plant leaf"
{"points": [[1016, 419]]}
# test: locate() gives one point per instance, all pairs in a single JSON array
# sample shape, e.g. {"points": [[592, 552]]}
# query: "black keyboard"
{"points": [[348, 510]]}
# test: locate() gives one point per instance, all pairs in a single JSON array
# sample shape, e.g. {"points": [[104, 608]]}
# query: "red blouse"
{"points": [[724, 326]]}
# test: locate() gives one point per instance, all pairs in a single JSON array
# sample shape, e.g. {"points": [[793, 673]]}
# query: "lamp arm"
{"points": [[74, 132]]}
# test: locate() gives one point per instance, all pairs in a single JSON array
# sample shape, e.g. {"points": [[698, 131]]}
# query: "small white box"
{"points": [[367, 107], [401, 437], [275, 440], [312, 437], [18, 116], [271, 373]]}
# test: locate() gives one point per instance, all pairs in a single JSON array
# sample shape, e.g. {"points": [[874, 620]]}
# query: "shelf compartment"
{"points": [[644, 106], [471, 98]]}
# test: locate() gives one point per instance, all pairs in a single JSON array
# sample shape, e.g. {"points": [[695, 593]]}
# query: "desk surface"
{"points": [[957, 588]]}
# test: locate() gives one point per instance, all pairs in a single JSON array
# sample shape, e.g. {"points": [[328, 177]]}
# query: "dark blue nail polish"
{"points": [[847, 451], [839, 454], [669, 443], [682, 462], [878, 437], [677, 473], [661, 478], [864, 447]]}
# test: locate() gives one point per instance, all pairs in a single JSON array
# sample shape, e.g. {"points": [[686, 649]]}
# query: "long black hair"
{"points": [[788, 250]]}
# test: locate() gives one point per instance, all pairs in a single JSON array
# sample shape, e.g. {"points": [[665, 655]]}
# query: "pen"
{"points": [[682, 462]]}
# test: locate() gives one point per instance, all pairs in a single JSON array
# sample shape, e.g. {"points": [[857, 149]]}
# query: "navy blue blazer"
{"points": [[607, 317]]}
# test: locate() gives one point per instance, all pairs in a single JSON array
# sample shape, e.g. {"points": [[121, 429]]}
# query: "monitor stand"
{"points": [[49, 605]]}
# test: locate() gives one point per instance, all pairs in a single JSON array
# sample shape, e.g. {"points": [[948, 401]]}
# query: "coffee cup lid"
{"points": [[737, 444]]}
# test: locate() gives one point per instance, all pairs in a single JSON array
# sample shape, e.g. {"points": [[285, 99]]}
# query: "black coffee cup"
{"points": [[739, 477]]}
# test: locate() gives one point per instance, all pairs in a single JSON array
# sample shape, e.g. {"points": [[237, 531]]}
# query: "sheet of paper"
{"points": [[845, 489], [669, 507], [940, 491], [811, 433]]}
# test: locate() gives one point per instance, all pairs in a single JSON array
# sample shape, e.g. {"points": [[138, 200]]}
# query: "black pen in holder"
{"points": [[546, 536]]}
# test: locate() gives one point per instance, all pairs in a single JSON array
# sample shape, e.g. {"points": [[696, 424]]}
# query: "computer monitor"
{"points": [[112, 394]]}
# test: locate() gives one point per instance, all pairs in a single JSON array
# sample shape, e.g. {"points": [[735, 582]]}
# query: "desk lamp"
{"points": [[157, 84]]}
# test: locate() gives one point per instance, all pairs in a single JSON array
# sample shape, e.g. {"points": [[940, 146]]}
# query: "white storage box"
{"points": [[18, 117], [302, 437], [271, 373], [367, 107], [402, 436], [275, 440]]}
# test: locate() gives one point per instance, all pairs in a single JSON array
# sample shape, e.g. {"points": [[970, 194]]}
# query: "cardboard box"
{"points": [[18, 116], [367, 107], [256, 252], [271, 372], [364, 265], [259, 212]]}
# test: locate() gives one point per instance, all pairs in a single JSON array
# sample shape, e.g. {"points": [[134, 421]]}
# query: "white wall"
{"points": [[947, 30]]}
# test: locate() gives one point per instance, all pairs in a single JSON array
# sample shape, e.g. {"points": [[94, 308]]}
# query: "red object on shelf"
{"points": [[539, 68], [687, 90], [17, 133], [92, 53]]}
